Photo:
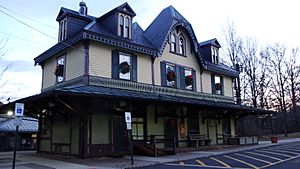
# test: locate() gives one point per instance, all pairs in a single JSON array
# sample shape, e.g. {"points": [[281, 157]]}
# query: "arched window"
{"points": [[181, 45], [121, 25], [126, 32], [173, 43]]}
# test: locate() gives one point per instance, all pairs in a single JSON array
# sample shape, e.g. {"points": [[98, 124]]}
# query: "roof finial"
{"points": [[83, 9]]}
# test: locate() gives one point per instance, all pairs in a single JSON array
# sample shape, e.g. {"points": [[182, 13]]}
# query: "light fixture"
{"points": [[122, 103], [10, 113]]}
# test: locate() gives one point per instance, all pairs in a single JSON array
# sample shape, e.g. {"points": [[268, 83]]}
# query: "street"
{"points": [[274, 157]]}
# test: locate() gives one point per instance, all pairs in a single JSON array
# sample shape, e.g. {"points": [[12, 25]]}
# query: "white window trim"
{"points": [[62, 35], [122, 34]]}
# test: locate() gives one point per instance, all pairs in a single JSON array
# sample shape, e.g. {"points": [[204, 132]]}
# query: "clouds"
{"points": [[18, 65]]}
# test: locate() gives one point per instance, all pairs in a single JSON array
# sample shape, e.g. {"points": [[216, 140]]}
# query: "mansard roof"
{"points": [[212, 42], [151, 42], [68, 12]]}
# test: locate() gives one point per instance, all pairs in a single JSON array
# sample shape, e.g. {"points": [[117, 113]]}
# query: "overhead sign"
{"points": [[127, 117], [19, 109]]}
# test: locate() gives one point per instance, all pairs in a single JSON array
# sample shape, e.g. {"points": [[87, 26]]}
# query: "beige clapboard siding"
{"points": [[228, 88], [61, 130], [100, 129], [45, 145], [212, 131], [189, 61], [75, 62], [232, 126], [144, 70], [75, 124], [202, 123], [100, 60], [100, 63], [48, 73], [206, 82]]}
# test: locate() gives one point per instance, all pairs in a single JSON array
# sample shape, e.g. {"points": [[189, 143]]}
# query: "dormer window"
{"points": [[62, 35], [214, 55], [181, 45], [173, 43], [124, 26]]}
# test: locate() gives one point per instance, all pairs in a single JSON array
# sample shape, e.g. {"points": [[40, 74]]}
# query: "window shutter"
{"points": [[222, 83], [182, 77], [213, 88], [163, 74], [177, 69], [115, 65], [134, 68], [194, 80]]}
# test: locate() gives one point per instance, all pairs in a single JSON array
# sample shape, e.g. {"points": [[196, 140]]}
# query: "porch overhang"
{"points": [[37, 102]]}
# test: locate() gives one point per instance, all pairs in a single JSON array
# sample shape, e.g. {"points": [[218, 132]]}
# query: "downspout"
{"points": [[86, 55], [152, 70]]}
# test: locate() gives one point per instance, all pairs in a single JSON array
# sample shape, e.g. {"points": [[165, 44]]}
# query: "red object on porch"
{"points": [[274, 139]]}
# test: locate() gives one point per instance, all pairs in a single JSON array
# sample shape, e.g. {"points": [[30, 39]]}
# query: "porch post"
{"points": [[83, 138]]}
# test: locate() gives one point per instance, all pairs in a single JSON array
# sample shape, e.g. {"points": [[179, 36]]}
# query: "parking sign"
{"points": [[19, 109]]}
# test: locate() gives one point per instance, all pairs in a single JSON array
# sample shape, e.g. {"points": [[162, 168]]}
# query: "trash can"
{"points": [[274, 139]]}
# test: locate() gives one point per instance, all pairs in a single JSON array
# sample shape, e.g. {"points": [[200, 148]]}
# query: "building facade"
{"points": [[104, 66]]}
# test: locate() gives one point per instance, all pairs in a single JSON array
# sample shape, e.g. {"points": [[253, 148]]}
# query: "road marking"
{"points": [[257, 159], [278, 162], [197, 166], [263, 155], [264, 151], [181, 163], [200, 162], [285, 151], [221, 162], [241, 161]]}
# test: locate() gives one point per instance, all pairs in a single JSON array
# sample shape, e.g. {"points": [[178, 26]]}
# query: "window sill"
{"points": [[178, 54]]}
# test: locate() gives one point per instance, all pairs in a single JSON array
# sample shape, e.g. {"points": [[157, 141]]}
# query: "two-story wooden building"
{"points": [[104, 66]]}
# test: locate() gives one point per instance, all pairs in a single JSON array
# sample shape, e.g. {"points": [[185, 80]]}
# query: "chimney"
{"points": [[83, 9]]}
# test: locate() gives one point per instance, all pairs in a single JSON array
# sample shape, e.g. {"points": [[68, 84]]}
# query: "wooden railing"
{"points": [[156, 139]]}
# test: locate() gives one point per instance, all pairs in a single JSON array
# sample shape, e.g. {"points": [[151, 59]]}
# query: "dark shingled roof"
{"points": [[28, 125], [90, 90], [222, 69], [163, 23], [213, 42], [65, 11]]}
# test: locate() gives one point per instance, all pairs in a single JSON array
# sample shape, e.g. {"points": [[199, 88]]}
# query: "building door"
{"points": [[170, 131], [120, 133], [193, 123], [226, 126]]}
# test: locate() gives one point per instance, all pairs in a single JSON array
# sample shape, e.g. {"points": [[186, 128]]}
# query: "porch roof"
{"points": [[98, 91], [28, 125]]}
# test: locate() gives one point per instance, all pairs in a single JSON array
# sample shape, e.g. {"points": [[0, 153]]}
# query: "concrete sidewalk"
{"points": [[31, 160]]}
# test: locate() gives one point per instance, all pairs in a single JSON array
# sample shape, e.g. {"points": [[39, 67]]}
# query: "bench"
{"points": [[199, 138]]}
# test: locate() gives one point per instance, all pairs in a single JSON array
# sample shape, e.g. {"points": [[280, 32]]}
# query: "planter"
{"points": [[274, 139]]}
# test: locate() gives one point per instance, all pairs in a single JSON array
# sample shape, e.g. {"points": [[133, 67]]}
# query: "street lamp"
{"points": [[10, 113]]}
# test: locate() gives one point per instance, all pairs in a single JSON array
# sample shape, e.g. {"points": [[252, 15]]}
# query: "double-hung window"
{"points": [[124, 66], [137, 124], [60, 69], [217, 85], [215, 55], [178, 76]]}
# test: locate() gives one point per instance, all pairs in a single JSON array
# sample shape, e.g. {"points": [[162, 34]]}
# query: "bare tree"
{"points": [[232, 51], [276, 56], [250, 61]]}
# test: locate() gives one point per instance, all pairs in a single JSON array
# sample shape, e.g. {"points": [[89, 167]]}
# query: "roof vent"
{"points": [[83, 9]]}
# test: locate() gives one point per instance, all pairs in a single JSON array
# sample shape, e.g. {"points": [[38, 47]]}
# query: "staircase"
{"points": [[147, 150]]}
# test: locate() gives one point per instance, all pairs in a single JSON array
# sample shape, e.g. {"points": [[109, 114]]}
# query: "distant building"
{"points": [[27, 133]]}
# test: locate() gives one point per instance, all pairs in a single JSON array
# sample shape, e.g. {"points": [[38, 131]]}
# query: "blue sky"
{"points": [[269, 21]]}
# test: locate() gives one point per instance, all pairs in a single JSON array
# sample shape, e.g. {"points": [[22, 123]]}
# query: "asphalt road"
{"points": [[275, 157]]}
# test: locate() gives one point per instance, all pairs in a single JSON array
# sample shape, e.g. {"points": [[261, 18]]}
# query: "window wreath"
{"points": [[124, 67], [59, 71], [188, 80], [171, 76]]}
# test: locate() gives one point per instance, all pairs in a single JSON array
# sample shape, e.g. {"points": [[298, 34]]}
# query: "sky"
{"points": [[268, 21]]}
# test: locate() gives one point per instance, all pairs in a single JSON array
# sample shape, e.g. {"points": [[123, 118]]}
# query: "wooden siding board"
{"points": [[75, 136], [100, 60], [75, 62], [100, 130]]}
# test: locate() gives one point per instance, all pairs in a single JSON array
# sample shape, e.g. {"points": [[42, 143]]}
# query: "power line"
{"points": [[21, 38], [27, 25], [27, 17]]}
